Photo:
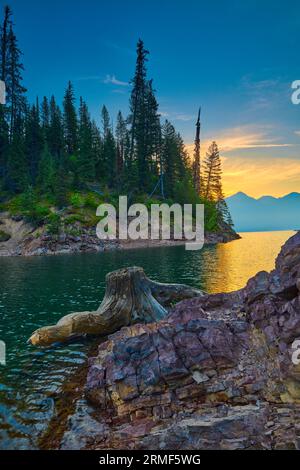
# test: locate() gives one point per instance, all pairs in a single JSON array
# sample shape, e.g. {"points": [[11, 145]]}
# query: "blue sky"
{"points": [[235, 58]]}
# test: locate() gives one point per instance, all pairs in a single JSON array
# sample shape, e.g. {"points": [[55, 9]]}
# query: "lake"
{"points": [[37, 291]]}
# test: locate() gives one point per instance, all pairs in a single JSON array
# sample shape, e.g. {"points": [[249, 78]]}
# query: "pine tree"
{"points": [[108, 150], [34, 141], [14, 88], [4, 33], [70, 121], [4, 129], [97, 150], [86, 162], [212, 174], [55, 133], [213, 185], [45, 119], [138, 115], [46, 172], [122, 148], [153, 129], [17, 178]]}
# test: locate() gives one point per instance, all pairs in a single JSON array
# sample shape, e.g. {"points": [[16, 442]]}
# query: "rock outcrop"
{"points": [[217, 372]]}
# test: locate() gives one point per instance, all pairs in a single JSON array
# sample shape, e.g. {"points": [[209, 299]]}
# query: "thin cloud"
{"points": [[183, 117], [261, 172], [111, 79], [264, 94]]}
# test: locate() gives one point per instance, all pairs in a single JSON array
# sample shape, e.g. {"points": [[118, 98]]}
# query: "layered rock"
{"points": [[216, 373]]}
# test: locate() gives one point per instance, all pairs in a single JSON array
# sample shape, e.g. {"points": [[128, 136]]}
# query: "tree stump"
{"points": [[130, 298]]}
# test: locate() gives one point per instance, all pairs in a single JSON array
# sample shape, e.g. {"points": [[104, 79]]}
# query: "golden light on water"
{"points": [[240, 260]]}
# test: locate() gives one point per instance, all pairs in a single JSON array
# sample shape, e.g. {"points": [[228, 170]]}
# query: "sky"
{"points": [[237, 59]]}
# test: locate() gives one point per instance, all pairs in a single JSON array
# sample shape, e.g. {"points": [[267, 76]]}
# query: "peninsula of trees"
{"points": [[51, 153]]}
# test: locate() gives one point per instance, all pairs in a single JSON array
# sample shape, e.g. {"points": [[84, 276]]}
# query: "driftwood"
{"points": [[130, 298]]}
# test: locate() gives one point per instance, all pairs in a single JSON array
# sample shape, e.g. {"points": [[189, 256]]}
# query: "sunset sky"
{"points": [[237, 59]]}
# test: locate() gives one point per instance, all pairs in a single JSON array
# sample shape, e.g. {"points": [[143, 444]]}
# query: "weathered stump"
{"points": [[130, 298]]}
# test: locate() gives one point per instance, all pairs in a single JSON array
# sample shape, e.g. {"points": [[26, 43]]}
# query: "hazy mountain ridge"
{"points": [[265, 213]]}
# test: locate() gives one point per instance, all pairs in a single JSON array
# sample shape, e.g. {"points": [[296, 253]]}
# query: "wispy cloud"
{"points": [[264, 94], [111, 79], [120, 49], [173, 116], [259, 172], [244, 137], [297, 133], [183, 117]]}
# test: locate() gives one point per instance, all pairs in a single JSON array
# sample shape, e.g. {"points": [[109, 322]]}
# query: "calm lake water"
{"points": [[37, 291]]}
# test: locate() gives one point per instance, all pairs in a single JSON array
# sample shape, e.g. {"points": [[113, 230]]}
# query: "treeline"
{"points": [[52, 149]]}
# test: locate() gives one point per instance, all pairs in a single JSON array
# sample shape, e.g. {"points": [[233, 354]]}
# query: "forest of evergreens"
{"points": [[54, 155]]}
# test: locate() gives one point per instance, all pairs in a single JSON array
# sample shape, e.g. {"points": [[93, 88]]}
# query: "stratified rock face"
{"points": [[216, 373]]}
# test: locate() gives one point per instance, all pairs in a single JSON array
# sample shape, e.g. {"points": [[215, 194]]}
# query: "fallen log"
{"points": [[130, 298]]}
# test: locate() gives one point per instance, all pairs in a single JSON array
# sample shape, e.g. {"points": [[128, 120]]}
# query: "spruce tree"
{"points": [[138, 115], [46, 172], [212, 174], [14, 87], [70, 123], [55, 133], [17, 178], [108, 151], [86, 162], [34, 141], [121, 146]]}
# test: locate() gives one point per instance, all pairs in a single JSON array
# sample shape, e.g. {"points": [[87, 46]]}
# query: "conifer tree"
{"points": [[138, 115], [212, 174], [108, 150], [46, 172], [13, 81], [17, 178], [45, 119], [55, 133], [121, 147], [213, 184], [33, 141], [153, 129], [97, 150], [70, 121], [86, 162]]}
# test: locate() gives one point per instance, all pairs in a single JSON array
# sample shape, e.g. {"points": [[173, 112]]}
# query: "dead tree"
{"points": [[130, 298]]}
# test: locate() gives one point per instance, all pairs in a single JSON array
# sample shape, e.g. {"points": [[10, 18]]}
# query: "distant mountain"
{"points": [[265, 213]]}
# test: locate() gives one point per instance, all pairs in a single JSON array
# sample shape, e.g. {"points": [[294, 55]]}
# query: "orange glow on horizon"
{"points": [[259, 174]]}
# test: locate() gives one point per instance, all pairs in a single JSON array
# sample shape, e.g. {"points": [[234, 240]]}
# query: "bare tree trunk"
{"points": [[130, 298]]}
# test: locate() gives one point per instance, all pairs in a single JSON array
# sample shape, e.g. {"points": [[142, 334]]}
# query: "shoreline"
{"points": [[24, 240]]}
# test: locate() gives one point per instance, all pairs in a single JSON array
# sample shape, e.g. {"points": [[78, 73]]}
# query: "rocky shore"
{"points": [[217, 373], [19, 238]]}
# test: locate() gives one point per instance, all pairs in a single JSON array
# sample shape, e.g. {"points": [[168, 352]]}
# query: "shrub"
{"points": [[76, 200], [4, 237], [54, 224], [92, 200]]}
